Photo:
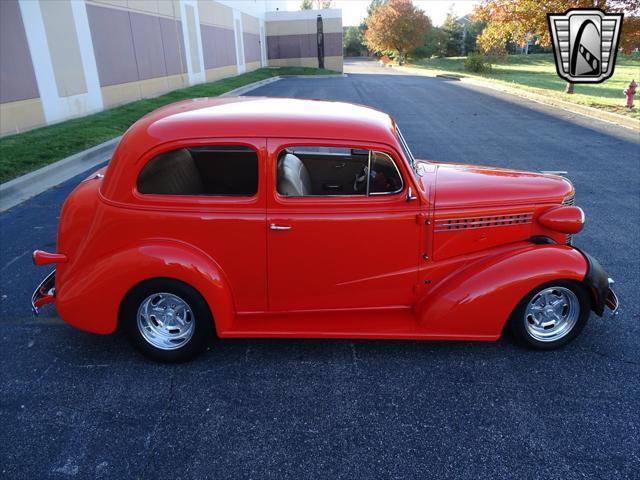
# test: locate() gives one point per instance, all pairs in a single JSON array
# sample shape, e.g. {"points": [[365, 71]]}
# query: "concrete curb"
{"points": [[251, 86], [23, 188], [329, 75], [261, 83], [27, 186], [584, 110]]}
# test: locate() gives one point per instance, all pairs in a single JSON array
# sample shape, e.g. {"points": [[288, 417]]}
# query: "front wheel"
{"points": [[167, 320], [551, 315]]}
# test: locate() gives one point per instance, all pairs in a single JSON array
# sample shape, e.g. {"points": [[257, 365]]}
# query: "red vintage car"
{"points": [[260, 217]]}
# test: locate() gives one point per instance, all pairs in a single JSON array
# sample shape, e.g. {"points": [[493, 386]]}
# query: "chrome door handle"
{"points": [[273, 226]]}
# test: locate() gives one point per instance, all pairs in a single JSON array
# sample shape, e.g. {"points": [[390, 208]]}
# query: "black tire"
{"points": [[200, 315], [522, 334]]}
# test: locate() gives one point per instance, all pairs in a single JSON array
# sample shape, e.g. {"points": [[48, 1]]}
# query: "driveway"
{"points": [[77, 405]]}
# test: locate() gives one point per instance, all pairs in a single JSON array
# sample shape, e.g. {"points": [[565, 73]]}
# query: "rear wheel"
{"points": [[167, 320], [551, 315]]}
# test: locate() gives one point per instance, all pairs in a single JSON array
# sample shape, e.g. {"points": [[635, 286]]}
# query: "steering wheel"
{"points": [[360, 182]]}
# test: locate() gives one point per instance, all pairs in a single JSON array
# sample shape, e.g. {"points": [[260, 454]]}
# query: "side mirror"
{"points": [[410, 195]]}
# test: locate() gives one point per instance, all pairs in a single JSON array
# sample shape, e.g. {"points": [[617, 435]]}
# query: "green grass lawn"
{"points": [[28, 151], [537, 73]]}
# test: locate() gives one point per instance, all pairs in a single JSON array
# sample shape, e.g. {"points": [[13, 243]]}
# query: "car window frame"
{"points": [[383, 149], [199, 202], [397, 170]]}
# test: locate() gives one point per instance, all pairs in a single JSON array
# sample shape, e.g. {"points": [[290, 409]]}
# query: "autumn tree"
{"points": [[374, 5], [397, 26], [519, 19]]}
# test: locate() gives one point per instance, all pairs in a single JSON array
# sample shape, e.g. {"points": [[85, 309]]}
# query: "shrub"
{"points": [[478, 63]]}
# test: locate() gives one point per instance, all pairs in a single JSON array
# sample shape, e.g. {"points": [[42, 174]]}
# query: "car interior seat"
{"points": [[293, 177], [171, 173]]}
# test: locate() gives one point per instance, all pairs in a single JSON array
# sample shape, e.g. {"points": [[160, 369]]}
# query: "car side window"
{"points": [[329, 171], [384, 176], [203, 170]]}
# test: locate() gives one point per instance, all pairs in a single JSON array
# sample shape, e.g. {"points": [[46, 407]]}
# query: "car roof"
{"points": [[248, 117], [266, 117]]}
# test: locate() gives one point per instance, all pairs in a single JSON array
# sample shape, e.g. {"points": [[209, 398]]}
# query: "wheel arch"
{"points": [[115, 275], [478, 300]]}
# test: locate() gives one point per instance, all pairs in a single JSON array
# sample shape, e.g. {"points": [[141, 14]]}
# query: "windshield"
{"points": [[407, 152]]}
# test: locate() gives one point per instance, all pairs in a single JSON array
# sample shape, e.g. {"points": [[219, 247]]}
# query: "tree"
{"points": [[315, 4], [396, 26], [352, 39], [374, 5], [474, 29], [435, 43], [453, 29], [518, 19], [630, 34]]}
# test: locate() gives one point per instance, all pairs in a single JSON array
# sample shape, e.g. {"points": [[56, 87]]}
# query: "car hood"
{"points": [[458, 185]]}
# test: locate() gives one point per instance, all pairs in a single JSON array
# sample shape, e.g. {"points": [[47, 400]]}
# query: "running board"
{"points": [[397, 323]]}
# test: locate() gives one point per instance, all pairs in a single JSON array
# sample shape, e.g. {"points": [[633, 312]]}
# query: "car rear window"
{"points": [[203, 170]]}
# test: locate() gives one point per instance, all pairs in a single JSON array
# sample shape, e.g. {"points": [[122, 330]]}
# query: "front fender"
{"points": [[89, 295], [476, 301]]}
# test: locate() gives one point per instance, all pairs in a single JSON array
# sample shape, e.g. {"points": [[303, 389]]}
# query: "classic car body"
{"points": [[305, 229]]}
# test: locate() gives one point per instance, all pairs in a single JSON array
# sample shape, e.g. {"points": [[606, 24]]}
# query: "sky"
{"points": [[354, 11]]}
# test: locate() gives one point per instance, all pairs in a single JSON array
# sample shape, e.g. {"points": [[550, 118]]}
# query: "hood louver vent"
{"points": [[451, 224]]}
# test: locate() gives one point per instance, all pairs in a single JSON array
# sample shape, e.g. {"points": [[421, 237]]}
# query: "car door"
{"points": [[210, 194], [327, 251]]}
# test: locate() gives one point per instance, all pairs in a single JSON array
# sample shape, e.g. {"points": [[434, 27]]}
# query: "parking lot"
{"points": [[74, 404]]}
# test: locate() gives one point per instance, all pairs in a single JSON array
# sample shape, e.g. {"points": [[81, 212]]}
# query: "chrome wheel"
{"points": [[551, 314], [165, 321]]}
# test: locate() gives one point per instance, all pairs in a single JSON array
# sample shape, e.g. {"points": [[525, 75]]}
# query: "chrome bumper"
{"points": [[45, 293], [611, 300]]}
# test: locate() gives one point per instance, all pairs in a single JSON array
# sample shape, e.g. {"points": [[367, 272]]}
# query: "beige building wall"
{"points": [[216, 28], [61, 59], [302, 26], [292, 38], [252, 42], [20, 105], [215, 14], [139, 47], [334, 63], [16, 117], [219, 73], [62, 38]]}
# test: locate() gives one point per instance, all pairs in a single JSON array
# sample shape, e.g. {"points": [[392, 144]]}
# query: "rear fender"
{"points": [[90, 297], [477, 301]]}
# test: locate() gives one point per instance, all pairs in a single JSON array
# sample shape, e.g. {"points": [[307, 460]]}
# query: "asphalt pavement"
{"points": [[84, 406]]}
